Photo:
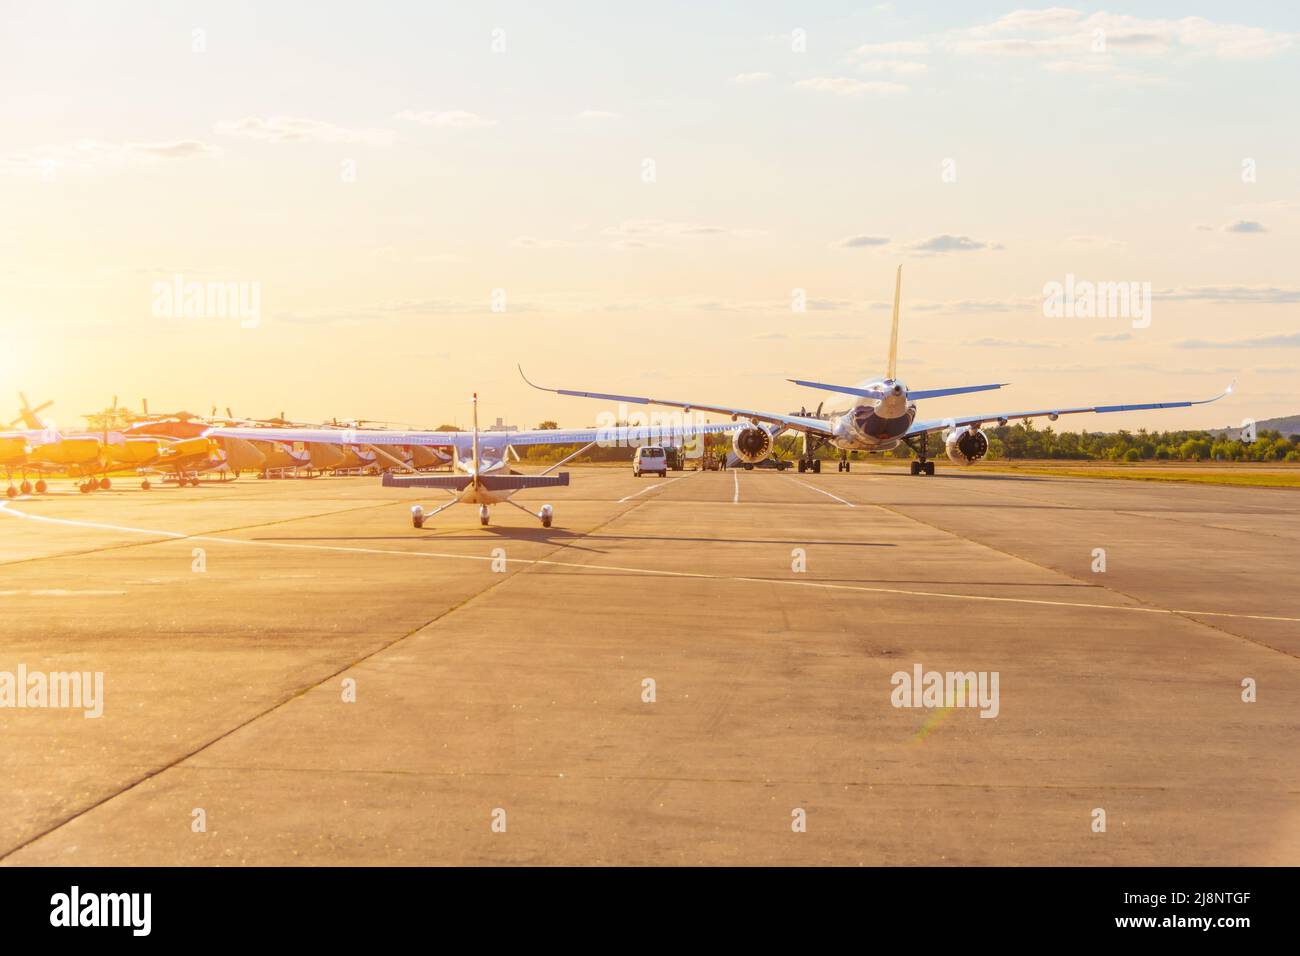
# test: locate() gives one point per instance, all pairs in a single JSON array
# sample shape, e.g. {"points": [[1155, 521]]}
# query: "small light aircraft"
{"points": [[484, 477]]}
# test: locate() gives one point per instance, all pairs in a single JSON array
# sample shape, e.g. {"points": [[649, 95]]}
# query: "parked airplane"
{"points": [[481, 457], [885, 418]]}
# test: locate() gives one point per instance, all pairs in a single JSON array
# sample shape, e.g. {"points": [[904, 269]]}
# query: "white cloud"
{"points": [[845, 86], [1062, 32], [296, 129], [892, 66], [89, 153], [896, 48], [456, 119]]}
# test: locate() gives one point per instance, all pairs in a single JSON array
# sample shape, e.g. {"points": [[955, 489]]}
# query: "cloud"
{"points": [[89, 153], [297, 129], [1062, 32], [743, 78], [634, 233], [454, 119], [845, 86], [1233, 295], [1285, 340], [1245, 225], [597, 115], [894, 48], [891, 66], [529, 242], [1006, 344], [861, 242], [938, 245]]}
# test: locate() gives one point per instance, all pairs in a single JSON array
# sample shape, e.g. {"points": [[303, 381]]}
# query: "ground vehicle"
{"points": [[650, 458], [676, 456]]}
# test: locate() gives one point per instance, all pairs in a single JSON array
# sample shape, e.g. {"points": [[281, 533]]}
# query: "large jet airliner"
{"points": [[884, 418]]}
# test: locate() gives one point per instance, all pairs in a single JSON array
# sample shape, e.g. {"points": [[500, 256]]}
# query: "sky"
{"points": [[697, 201]]}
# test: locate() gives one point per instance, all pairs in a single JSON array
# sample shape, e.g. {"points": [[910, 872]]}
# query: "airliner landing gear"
{"points": [[417, 516], [25, 487], [546, 514], [105, 484], [483, 515], [810, 461], [920, 444], [145, 484], [11, 492], [41, 486], [844, 461]]}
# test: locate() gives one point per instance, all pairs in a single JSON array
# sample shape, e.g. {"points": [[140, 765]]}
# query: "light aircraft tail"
{"points": [[892, 370], [475, 461]]}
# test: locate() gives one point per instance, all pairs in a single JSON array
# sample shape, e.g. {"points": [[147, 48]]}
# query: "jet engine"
{"points": [[752, 444], [966, 445]]}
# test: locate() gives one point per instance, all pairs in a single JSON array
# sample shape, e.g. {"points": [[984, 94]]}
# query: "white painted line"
{"points": [[798, 481], [650, 572], [735, 499], [60, 592], [654, 487]]}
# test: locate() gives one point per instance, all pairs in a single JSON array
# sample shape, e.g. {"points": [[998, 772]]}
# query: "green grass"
{"points": [[1241, 474]]}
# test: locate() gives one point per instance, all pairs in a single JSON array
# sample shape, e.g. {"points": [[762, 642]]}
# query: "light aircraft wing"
{"points": [[796, 422], [1001, 418]]}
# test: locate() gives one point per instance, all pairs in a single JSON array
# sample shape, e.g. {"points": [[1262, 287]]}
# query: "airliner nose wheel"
{"points": [[546, 514], [922, 467], [417, 516], [483, 515]]}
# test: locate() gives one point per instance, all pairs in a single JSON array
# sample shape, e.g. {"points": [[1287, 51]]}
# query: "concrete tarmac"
{"points": [[499, 673]]}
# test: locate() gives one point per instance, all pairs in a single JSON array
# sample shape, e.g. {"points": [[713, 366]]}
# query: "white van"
{"points": [[650, 458]]}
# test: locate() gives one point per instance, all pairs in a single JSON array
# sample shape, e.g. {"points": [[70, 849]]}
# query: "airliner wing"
{"points": [[1001, 418], [462, 440], [796, 422]]}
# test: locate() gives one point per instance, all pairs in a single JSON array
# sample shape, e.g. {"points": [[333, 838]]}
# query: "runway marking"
{"points": [[60, 592], [658, 484], [652, 572], [735, 499], [798, 481]]}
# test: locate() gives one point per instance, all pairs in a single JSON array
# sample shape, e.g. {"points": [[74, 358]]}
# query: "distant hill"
{"points": [[1287, 425]]}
